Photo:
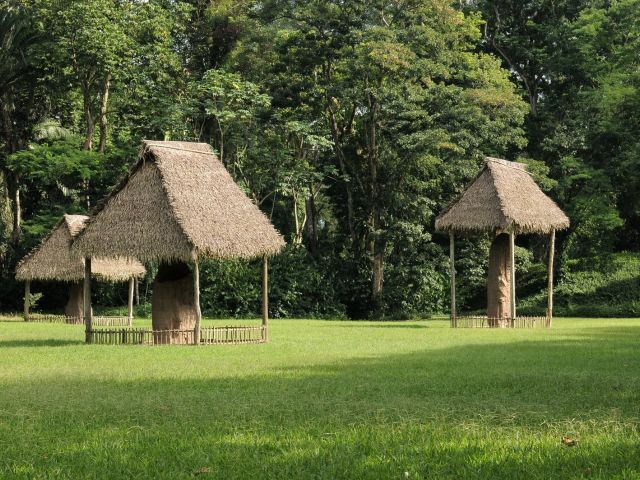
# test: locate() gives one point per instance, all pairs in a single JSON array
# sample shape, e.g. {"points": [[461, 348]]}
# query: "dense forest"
{"points": [[351, 124]]}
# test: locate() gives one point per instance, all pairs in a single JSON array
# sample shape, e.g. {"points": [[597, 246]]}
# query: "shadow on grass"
{"points": [[472, 411], [39, 343]]}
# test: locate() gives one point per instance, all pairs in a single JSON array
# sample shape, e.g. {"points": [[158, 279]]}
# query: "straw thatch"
{"points": [[52, 259], [177, 203], [502, 198]]}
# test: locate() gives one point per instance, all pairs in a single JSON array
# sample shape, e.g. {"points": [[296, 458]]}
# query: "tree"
{"points": [[18, 108], [401, 92]]}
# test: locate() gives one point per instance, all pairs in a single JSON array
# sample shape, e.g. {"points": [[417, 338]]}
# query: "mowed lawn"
{"points": [[325, 400]]}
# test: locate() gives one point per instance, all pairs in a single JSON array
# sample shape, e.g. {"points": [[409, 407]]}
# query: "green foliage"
{"points": [[58, 163], [297, 285], [34, 299], [350, 124], [602, 286]]}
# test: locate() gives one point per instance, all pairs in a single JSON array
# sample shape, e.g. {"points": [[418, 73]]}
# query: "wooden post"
{"points": [[552, 247], [512, 249], [196, 294], [137, 287], [131, 288], [87, 299], [265, 298], [452, 258], [27, 295]]}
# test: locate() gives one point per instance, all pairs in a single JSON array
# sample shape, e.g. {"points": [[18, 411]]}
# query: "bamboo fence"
{"points": [[208, 336], [472, 321], [103, 321]]}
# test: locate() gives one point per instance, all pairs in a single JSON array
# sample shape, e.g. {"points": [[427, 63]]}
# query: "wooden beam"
{"points": [[265, 297], [452, 258], [196, 294], [87, 299], [512, 250], [130, 304], [137, 284], [27, 296], [552, 247]]}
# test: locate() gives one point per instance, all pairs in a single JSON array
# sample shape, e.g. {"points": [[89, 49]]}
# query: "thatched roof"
{"points": [[52, 259], [503, 197], [178, 202]]}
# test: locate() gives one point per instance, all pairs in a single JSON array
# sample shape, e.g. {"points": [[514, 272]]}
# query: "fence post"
{"points": [[87, 299], [130, 305], [552, 246], [196, 299], [27, 298], [452, 258], [265, 299], [512, 248]]}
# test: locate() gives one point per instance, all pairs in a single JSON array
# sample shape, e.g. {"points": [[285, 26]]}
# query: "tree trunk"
{"points": [[311, 228], [377, 250], [499, 281], [104, 121], [74, 309], [13, 187], [345, 173], [173, 306], [378, 269], [12, 145], [90, 124]]}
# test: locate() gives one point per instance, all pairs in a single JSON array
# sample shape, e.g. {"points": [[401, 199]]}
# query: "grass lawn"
{"points": [[325, 400]]}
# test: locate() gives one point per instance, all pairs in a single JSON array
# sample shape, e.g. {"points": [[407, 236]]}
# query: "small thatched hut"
{"points": [[504, 201], [178, 204], [52, 260]]}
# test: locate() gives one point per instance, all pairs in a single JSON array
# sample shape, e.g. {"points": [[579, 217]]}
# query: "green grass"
{"points": [[325, 400]]}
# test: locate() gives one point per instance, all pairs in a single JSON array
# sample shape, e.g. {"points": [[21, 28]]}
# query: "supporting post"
{"points": [[27, 297], [196, 295], [87, 299], [452, 258], [265, 298], [130, 304], [512, 251], [137, 287], [552, 247]]}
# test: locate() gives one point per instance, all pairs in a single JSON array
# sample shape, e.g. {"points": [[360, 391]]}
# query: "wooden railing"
{"points": [[473, 321], [51, 318], [237, 335], [109, 321], [208, 335]]}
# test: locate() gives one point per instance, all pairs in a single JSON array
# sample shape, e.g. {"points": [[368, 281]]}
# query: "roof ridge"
{"points": [[149, 145], [522, 167]]}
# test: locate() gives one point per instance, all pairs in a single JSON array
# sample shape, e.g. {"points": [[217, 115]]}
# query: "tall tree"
{"points": [[400, 90], [18, 105]]}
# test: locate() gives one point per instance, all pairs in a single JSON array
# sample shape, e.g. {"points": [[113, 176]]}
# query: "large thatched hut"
{"points": [[503, 201], [52, 260], [177, 205]]}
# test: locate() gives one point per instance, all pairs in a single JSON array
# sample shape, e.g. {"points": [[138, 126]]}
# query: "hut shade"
{"points": [[52, 259], [503, 197], [178, 202]]}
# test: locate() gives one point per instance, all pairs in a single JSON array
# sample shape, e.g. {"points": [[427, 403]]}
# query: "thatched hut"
{"points": [[177, 205], [503, 201], [52, 260]]}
